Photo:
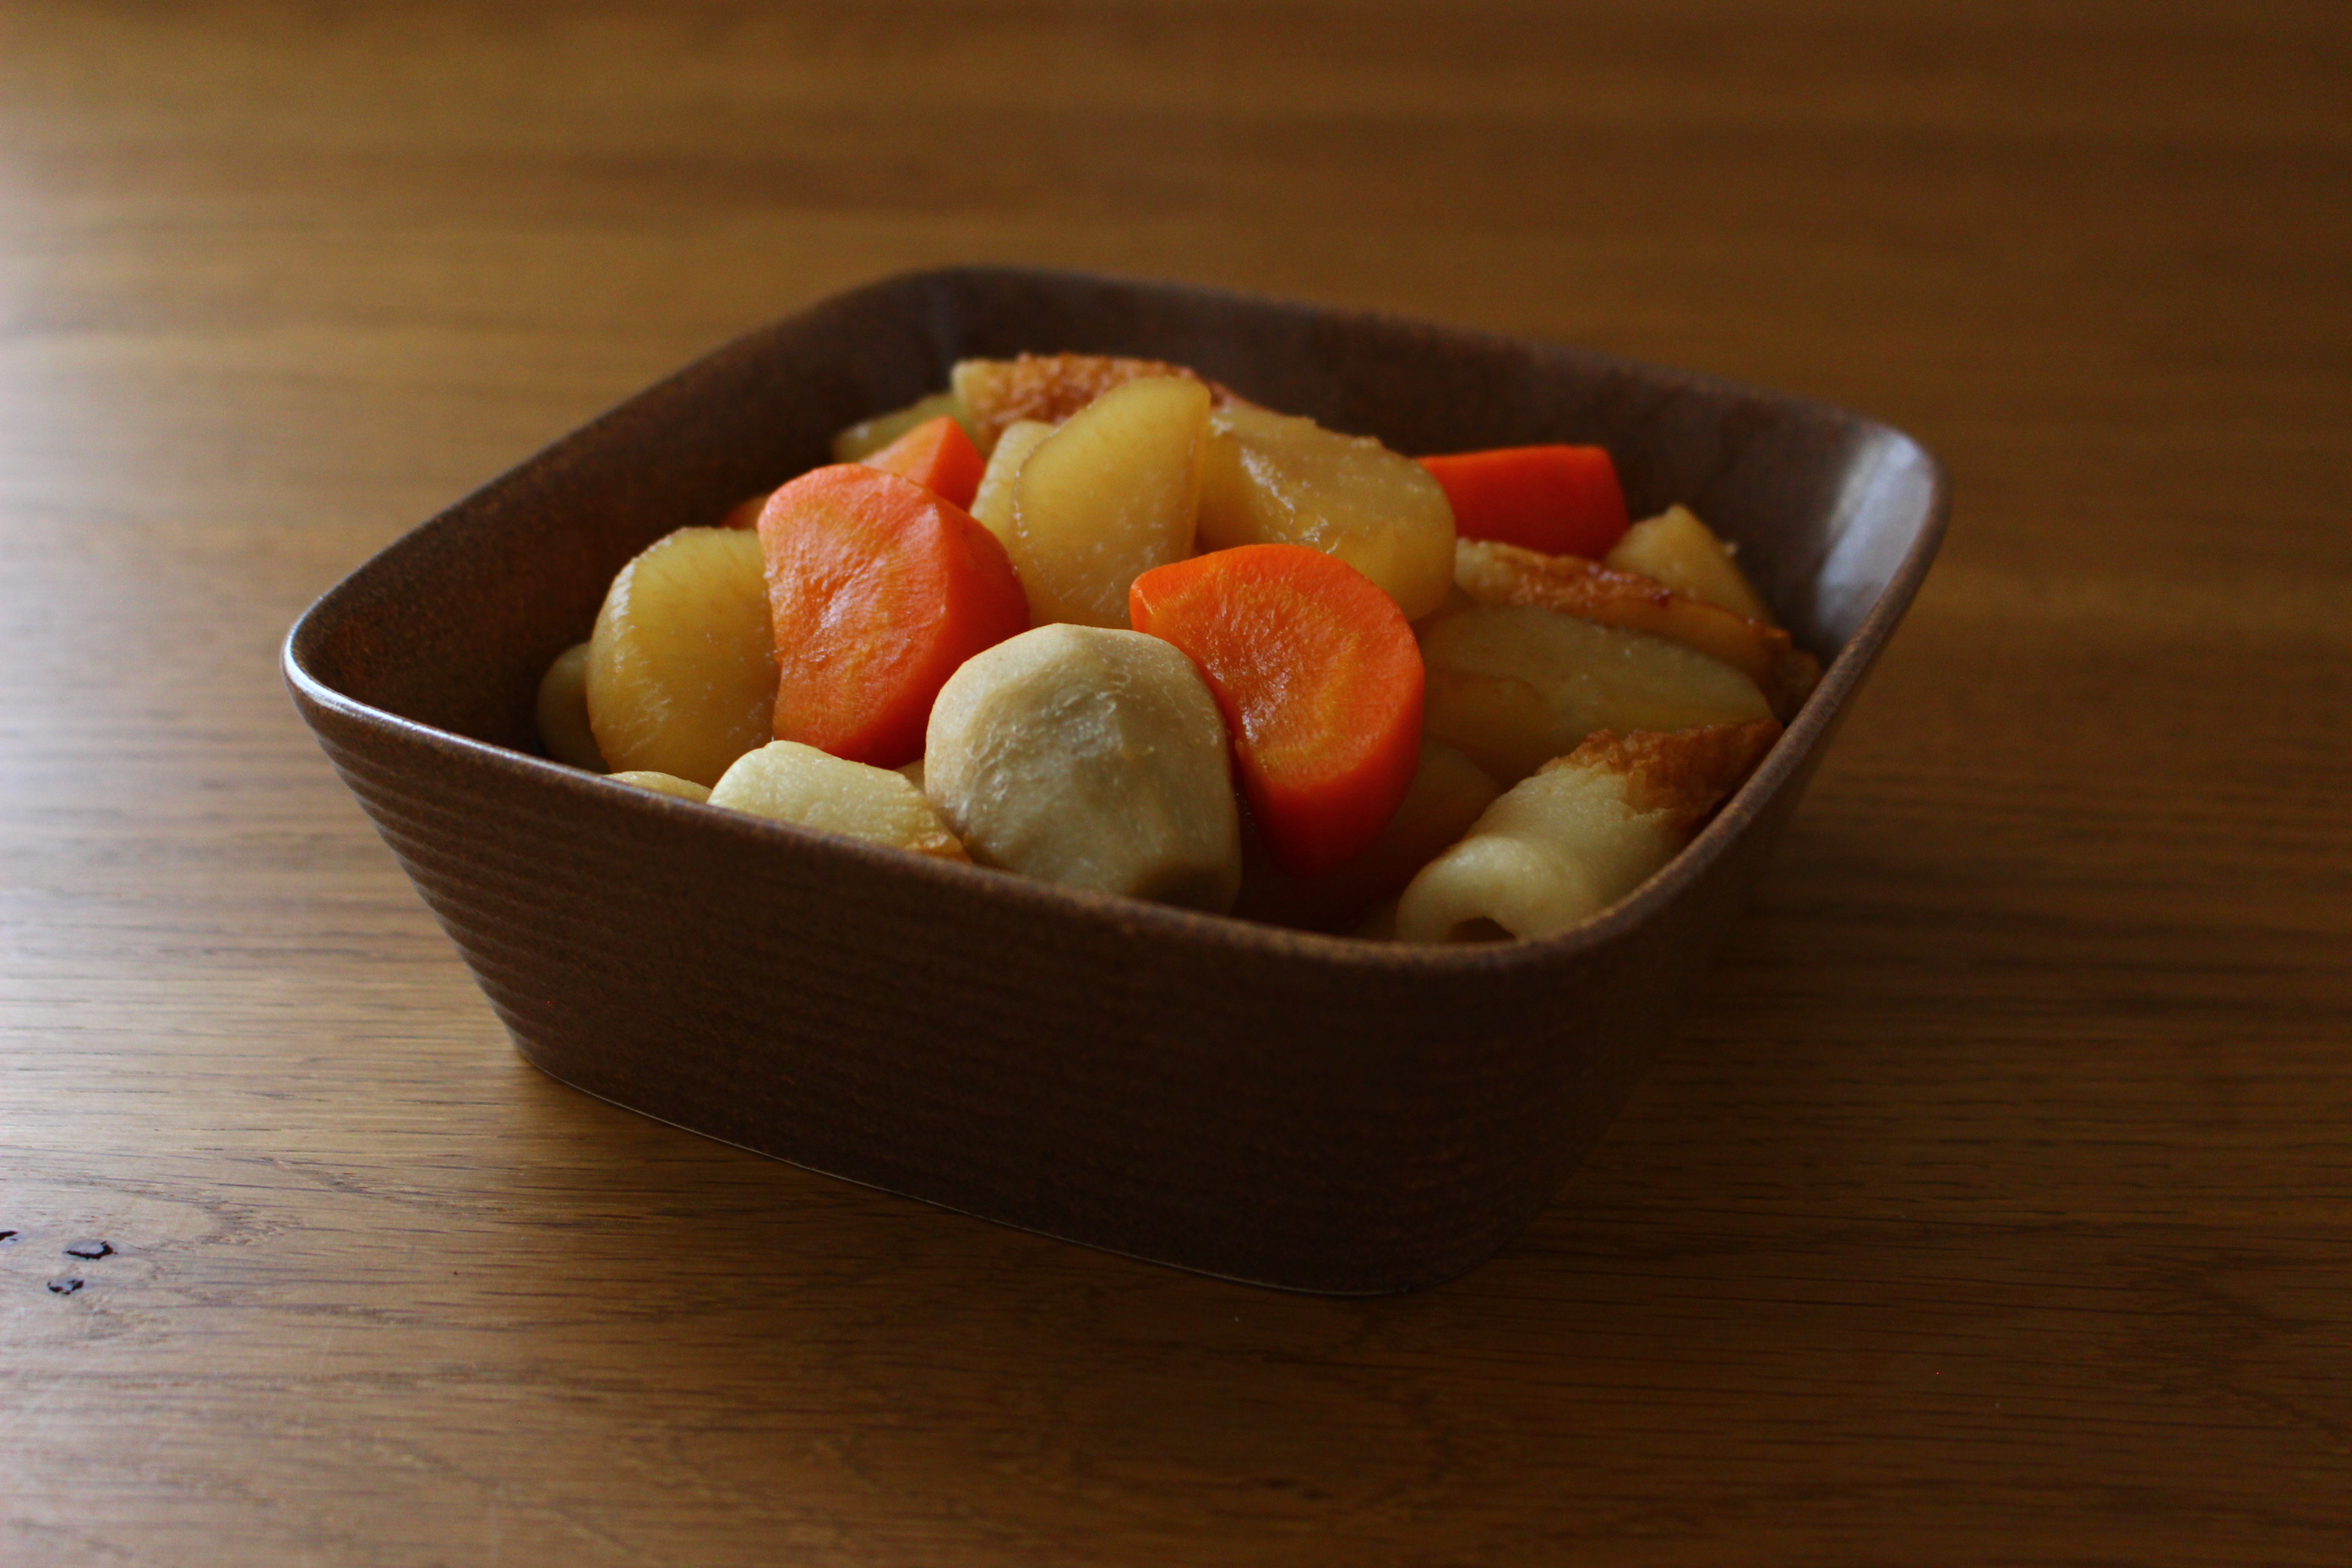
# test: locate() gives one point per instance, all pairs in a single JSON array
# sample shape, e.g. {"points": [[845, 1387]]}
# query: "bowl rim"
{"points": [[1803, 735]]}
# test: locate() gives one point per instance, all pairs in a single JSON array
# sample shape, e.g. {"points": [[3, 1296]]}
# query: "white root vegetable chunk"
{"points": [[682, 667], [800, 785], [563, 712], [1678, 550], [1513, 686], [1092, 758], [664, 783], [1272, 478], [991, 505], [1587, 829], [1112, 493]]}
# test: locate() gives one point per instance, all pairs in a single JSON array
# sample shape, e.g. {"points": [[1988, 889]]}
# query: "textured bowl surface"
{"points": [[1306, 1112]]}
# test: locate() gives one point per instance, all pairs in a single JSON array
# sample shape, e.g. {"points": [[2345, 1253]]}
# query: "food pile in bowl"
{"points": [[1106, 623]]}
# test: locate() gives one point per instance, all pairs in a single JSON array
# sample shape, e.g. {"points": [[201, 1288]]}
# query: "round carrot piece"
{"points": [[1560, 500], [878, 589], [936, 455], [1320, 682]]}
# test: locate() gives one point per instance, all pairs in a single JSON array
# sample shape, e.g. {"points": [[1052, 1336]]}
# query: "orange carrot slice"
{"points": [[1319, 680], [938, 456], [878, 589], [1562, 500]]}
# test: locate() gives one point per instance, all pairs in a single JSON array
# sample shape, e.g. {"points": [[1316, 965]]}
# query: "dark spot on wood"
{"points": [[90, 1250], [66, 1286]]}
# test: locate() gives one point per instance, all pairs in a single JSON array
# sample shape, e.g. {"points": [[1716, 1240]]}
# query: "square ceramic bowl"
{"points": [[1312, 1112]]}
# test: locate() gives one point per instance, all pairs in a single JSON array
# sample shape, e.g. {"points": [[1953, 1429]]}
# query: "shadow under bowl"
{"points": [[1299, 1111]]}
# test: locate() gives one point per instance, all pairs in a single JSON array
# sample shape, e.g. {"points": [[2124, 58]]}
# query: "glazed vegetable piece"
{"points": [[992, 504], [1271, 478], [1317, 673], [1513, 686], [1447, 792], [1678, 550], [1049, 388], [1583, 832], [681, 671], [1505, 574], [563, 712], [1108, 496], [1091, 758], [1561, 500], [936, 455], [800, 785], [870, 436], [665, 783], [877, 590]]}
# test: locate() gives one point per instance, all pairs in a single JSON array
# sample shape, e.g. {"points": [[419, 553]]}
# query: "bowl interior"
{"points": [[451, 627]]}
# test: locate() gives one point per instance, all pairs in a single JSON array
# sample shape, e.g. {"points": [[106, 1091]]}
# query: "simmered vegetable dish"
{"points": [[1107, 623]]}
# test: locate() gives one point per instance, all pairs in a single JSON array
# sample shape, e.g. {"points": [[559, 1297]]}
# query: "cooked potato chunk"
{"points": [[809, 788], [992, 505], [1513, 686], [664, 783], [1589, 828], [563, 712], [1111, 494], [1506, 574], [1093, 758], [682, 668], [1270, 478], [1678, 550]]}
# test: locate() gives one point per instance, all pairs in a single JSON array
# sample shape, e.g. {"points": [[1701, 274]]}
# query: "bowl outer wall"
{"points": [[1298, 1110]]}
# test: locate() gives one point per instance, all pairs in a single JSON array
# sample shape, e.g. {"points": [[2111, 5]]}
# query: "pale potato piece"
{"points": [[1271, 478], [1586, 830], [1092, 758], [1111, 494], [664, 783], [992, 505], [1678, 550], [563, 712], [681, 672], [1494, 573], [809, 788], [1513, 686], [867, 437]]}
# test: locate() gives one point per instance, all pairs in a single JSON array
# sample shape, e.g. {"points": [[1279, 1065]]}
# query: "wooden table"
{"points": [[1996, 1205]]}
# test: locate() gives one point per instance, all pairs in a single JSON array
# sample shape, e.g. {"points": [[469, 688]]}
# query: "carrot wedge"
{"points": [[878, 590], [1504, 574], [1561, 500], [938, 456], [1320, 682]]}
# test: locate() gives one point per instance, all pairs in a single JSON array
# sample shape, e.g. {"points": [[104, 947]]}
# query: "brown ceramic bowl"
{"points": [[1300, 1111]]}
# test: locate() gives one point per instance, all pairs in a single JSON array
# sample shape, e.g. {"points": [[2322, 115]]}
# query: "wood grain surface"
{"points": [[1995, 1207]]}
